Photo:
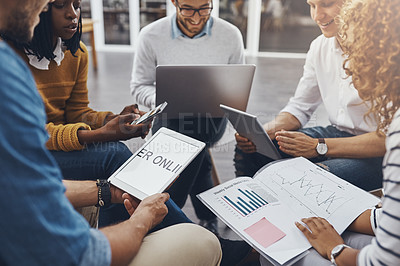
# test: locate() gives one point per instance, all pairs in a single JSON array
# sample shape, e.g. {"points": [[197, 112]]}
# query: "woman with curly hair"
{"points": [[371, 38], [349, 146]]}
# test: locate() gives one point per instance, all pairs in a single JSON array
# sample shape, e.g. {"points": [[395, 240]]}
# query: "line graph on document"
{"points": [[312, 188]]}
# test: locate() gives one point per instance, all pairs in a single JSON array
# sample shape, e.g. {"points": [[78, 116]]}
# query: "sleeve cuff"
{"points": [[65, 137], [303, 118], [98, 251]]}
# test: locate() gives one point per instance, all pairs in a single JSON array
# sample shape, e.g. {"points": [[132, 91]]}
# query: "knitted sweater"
{"points": [[65, 95], [156, 46]]}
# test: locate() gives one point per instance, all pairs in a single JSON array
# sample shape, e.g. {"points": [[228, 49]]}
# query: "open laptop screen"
{"points": [[198, 90]]}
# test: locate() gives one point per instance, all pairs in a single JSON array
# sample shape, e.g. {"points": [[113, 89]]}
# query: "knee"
{"points": [[324, 166], [182, 244], [201, 248], [119, 150]]}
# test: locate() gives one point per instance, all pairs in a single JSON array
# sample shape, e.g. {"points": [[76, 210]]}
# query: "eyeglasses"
{"points": [[189, 12]]}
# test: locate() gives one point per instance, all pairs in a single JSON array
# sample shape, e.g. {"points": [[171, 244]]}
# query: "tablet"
{"points": [[150, 114], [248, 126], [156, 164]]}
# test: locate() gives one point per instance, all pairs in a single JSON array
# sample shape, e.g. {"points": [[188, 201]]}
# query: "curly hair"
{"points": [[370, 36]]}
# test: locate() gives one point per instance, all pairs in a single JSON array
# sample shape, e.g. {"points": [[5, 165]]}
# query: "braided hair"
{"points": [[41, 44]]}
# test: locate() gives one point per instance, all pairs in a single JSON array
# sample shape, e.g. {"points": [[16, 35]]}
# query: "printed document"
{"points": [[263, 210]]}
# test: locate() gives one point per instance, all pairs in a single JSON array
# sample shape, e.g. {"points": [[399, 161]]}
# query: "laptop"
{"points": [[198, 90]]}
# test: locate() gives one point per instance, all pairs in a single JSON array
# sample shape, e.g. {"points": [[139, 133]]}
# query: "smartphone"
{"points": [[150, 114]]}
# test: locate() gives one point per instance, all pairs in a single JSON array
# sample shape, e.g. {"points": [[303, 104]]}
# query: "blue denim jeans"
{"points": [[100, 161], [363, 173], [196, 178]]}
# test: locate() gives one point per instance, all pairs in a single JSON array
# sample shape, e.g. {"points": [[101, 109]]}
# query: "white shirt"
{"points": [[43, 64], [325, 81]]}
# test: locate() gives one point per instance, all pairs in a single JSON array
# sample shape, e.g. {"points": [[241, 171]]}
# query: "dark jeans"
{"points": [[363, 173], [99, 161], [196, 178]]}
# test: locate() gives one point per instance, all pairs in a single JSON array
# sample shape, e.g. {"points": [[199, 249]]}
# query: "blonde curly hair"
{"points": [[370, 36]]}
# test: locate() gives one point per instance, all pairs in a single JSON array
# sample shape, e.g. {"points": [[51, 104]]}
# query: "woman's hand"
{"points": [[119, 128], [130, 109], [321, 235]]}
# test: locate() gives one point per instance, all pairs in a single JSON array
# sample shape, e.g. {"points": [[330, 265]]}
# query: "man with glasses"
{"points": [[191, 36]]}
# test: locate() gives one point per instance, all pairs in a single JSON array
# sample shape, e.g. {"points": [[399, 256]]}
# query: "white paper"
{"points": [[293, 189]]}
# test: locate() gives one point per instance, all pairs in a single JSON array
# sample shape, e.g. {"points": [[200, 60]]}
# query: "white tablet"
{"points": [[248, 126], [156, 164]]}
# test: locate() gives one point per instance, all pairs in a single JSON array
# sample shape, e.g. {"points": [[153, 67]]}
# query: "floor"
{"points": [[274, 83]]}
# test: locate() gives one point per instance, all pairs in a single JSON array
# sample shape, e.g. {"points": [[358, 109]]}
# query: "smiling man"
{"points": [[191, 36], [349, 147]]}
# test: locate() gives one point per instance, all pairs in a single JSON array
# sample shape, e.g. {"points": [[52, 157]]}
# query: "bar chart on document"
{"points": [[246, 200]]}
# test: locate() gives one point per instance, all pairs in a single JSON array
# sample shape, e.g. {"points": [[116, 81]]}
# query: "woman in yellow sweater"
{"points": [[85, 143]]}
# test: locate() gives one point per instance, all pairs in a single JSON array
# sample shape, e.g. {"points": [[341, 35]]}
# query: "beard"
{"points": [[18, 28], [185, 24]]}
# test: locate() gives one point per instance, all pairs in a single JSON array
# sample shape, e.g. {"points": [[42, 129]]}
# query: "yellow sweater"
{"points": [[65, 95]]}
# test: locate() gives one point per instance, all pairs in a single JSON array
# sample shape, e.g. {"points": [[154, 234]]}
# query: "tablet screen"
{"points": [[157, 163]]}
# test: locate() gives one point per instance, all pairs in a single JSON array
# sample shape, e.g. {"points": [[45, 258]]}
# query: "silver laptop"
{"points": [[198, 90]]}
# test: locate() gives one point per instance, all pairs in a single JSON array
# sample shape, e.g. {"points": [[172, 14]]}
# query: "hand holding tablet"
{"points": [[248, 126], [156, 164]]}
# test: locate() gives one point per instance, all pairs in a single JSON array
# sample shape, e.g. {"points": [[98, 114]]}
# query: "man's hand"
{"points": [[150, 212], [245, 144], [130, 203], [116, 194], [296, 144], [321, 235]]}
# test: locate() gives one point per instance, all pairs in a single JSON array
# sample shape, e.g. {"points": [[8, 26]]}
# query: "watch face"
{"points": [[322, 148], [337, 249]]}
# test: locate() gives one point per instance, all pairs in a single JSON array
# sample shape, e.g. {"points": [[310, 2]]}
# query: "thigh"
{"points": [[363, 173], [95, 161], [183, 244], [247, 164], [181, 188], [312, 258], [356, 240], [325, 132]]}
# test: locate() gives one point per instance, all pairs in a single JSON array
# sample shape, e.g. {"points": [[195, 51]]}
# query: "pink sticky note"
{"points": [[264, 232]]}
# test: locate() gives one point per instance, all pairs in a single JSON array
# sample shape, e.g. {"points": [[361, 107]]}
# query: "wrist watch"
{"points": [[321, 148], [336, 251], [103, 194]]}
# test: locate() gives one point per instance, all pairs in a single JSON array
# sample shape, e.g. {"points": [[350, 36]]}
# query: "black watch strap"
{"points": [[103, 194]]}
